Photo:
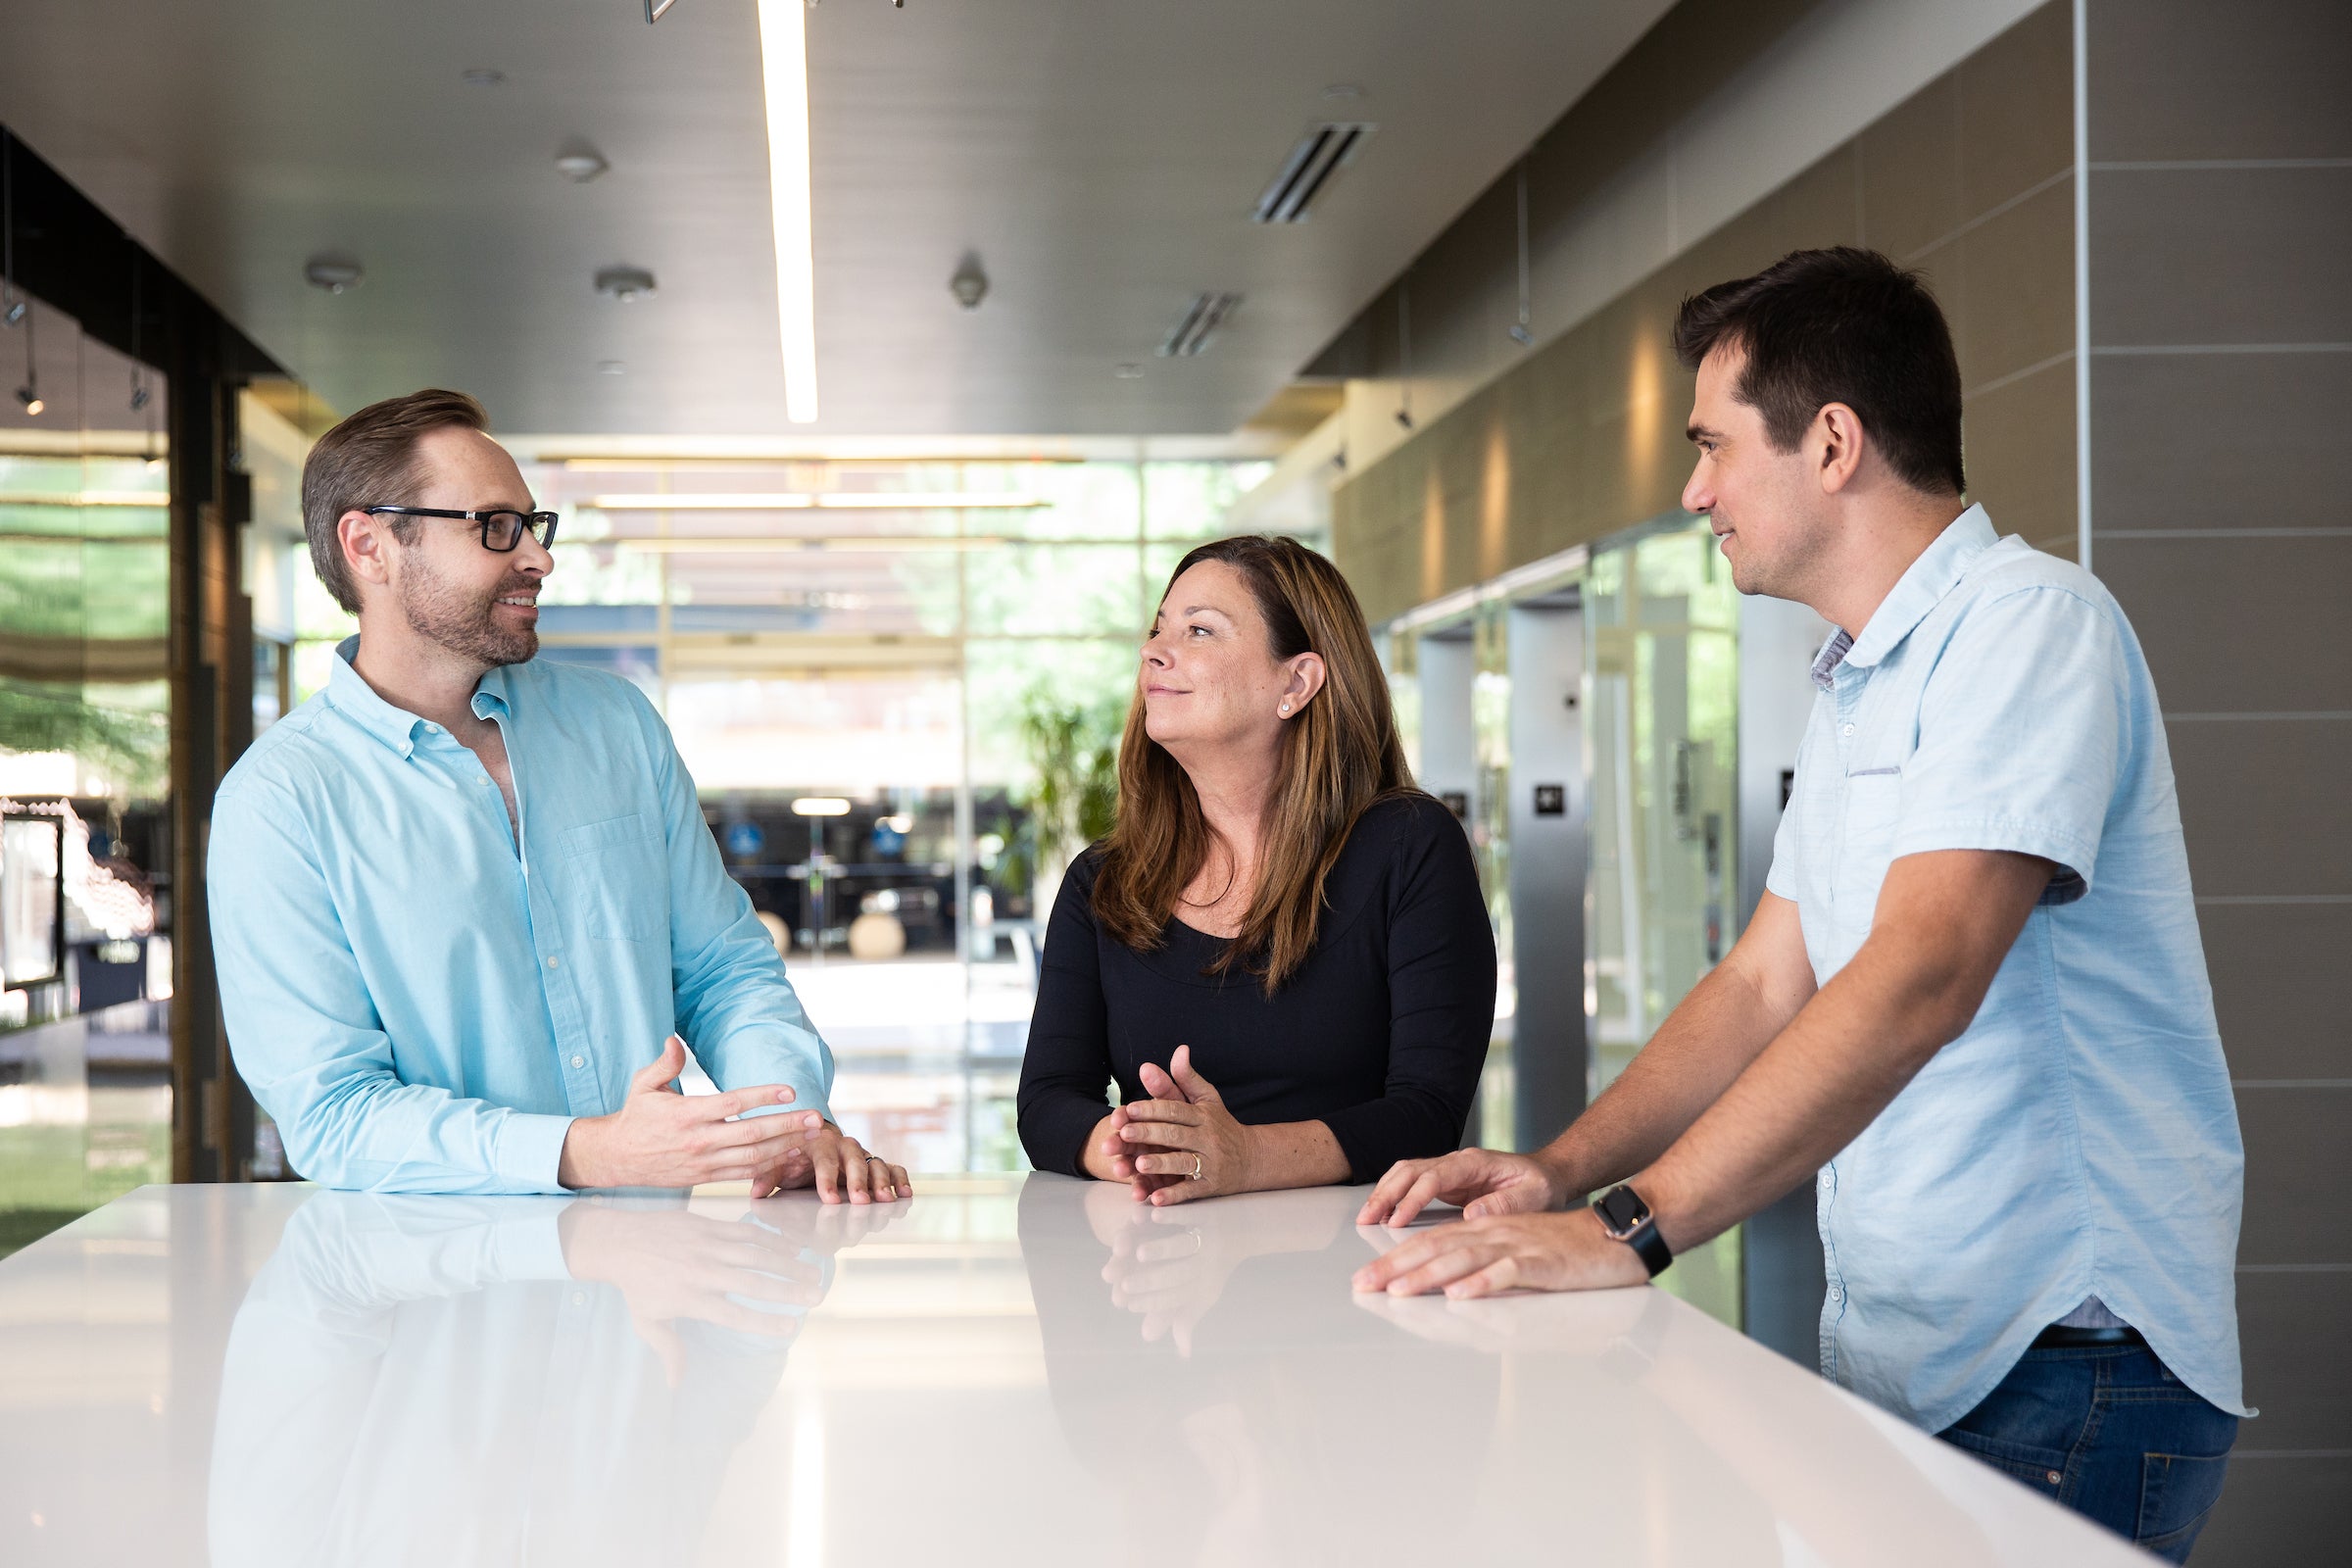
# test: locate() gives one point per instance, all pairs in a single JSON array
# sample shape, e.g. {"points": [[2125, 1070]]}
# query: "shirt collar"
{"points": [[1921, 589], [353, 696], [397, 727], [493, 697]]}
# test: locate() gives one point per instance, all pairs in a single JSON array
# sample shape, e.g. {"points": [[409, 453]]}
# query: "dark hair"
{"points": [[1338, 756], [369, 460], [1839, 325]]}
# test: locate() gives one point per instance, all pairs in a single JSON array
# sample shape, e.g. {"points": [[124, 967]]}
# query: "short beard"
{"points": [[440, 611]]}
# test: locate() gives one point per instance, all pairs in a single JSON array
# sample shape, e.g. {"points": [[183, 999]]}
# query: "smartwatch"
{"points": [[1627, 1219]]}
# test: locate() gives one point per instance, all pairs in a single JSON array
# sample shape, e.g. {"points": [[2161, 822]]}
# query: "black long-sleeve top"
{"points": [[1379, 1035]]}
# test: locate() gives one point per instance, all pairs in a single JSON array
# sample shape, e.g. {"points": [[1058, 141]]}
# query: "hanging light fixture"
{"points": [[12, 309], [784, 69]]}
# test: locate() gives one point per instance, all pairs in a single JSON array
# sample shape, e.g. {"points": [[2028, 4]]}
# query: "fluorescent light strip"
{"points": [[826, 501], [154, 499], [784, 64], [770, 544]]}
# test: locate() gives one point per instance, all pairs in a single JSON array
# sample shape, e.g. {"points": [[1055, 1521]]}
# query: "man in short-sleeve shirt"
{"points": [[1971, 1003]]}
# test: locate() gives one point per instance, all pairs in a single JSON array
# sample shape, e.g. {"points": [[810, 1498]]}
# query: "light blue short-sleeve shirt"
{"points": [[2080, 1139], [423, 994]]}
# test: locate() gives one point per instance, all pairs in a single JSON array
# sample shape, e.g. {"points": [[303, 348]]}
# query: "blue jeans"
{"points": [[2110, 1432]]}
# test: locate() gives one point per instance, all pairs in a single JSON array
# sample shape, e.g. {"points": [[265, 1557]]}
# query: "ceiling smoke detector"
{"points": [[335, 273], [969, 285], [1203, 315], [1321, 152], [627, 285]]}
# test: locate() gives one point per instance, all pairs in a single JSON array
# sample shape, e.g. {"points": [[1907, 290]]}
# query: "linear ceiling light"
{"points": [[822, 501], [770, 544], [784, 64]]}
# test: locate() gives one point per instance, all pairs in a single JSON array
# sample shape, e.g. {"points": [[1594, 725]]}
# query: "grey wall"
{"points": [[2220, 386]]}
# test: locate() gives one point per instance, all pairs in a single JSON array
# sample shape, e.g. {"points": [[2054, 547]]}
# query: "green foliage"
{"points": [[1073, 749]]}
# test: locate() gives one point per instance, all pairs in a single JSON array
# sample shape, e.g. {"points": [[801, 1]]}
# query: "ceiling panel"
{"points": [[1099, 155]]}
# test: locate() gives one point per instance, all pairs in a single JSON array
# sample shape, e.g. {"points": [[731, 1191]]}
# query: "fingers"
{"points": [[1416, 1197], [735, 1101], [1158, 1085], [1196, 1089], [1158, 1112], [1456, 1256], [1399, 1260], [826, 1158], [1388, 1190], [662, 1069]]}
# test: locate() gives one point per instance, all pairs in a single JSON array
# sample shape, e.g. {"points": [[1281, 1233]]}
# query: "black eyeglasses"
{"points": [[502, 531]]}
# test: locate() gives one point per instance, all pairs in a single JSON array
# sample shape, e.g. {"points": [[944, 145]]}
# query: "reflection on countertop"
{"points": [[1001, 1371], [564, 1379]]}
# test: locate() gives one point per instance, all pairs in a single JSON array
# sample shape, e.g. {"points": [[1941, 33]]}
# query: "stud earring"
{"points": [[1285, 709]]}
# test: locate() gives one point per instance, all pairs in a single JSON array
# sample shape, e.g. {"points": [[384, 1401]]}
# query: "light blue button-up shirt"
{"points": [[2080, 1140], [421, 996]]}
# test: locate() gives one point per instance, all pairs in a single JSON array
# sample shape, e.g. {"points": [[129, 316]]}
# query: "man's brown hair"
{"points": [[369, 459], [1839, 325], [1337, 758]]}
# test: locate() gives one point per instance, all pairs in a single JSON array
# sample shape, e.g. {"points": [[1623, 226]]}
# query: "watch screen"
{"points": [[1622, 1209]]}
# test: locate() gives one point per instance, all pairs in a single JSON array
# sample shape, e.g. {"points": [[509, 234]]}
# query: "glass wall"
{"points": [[84, 761], [1661, 622], [872, 668]]}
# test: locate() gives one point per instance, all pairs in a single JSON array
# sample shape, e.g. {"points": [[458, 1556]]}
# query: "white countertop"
{"points": [[996, 1373]]}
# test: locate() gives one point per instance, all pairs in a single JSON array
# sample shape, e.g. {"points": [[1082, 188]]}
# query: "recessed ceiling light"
{"points": [[627, 285], [611, 368], [1128, 370], [579, 162], [1343, 89], [483, 77], [333, 274]]}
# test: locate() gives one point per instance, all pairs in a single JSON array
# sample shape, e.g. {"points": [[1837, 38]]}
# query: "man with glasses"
{"points": [[467, 912]]}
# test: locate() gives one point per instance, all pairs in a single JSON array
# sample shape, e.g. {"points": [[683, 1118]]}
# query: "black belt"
{"points": [[2060, 1337]]}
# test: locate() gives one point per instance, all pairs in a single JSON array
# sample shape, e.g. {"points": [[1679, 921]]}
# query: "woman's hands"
{"points": [[1187, 1145]]}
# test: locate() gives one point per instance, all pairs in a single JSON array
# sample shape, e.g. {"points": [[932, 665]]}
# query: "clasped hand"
{"points": [[1182, 1142], [661, 1138]]}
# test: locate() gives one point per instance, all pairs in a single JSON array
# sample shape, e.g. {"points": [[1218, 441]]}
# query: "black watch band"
{"points": [[1626, 1218]]}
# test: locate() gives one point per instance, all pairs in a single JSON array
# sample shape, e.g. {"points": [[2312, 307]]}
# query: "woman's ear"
{"points": [[1307, 679]]}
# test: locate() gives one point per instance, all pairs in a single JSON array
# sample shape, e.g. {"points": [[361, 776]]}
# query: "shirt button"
{"points": [[554, 963], [1848, 730], [580, 1061], [432, 729], [1835, 1295]]}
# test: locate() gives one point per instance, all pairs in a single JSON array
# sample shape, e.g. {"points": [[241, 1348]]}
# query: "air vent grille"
{"points": [[1321, 152], [1203, 315]]}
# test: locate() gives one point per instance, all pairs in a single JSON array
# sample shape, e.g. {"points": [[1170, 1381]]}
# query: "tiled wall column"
{"points": [[2219, 218]]}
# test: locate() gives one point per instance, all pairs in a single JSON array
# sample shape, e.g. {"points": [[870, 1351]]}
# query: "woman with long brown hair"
{"points": [[1279, 955]]}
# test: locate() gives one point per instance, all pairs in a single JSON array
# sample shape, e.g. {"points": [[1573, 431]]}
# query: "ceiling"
{"points": [[1099, 155]]}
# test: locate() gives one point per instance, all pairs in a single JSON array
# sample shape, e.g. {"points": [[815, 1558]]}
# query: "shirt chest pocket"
{"points": [[615, 878], [1873, 800]]}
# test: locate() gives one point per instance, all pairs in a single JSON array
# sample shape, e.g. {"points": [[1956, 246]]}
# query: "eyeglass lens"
{"points": [[503, 530]]}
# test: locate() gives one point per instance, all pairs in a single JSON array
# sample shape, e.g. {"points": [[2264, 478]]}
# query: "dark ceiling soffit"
{"points": [[72, 257], [1687, 54]]}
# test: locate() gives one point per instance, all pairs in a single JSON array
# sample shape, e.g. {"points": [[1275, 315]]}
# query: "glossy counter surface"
{"points": [[998, 1372]]}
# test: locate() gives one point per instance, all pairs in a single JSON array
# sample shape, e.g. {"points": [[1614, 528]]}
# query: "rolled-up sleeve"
{"points": [[2024, 726], [308, 1041]]}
